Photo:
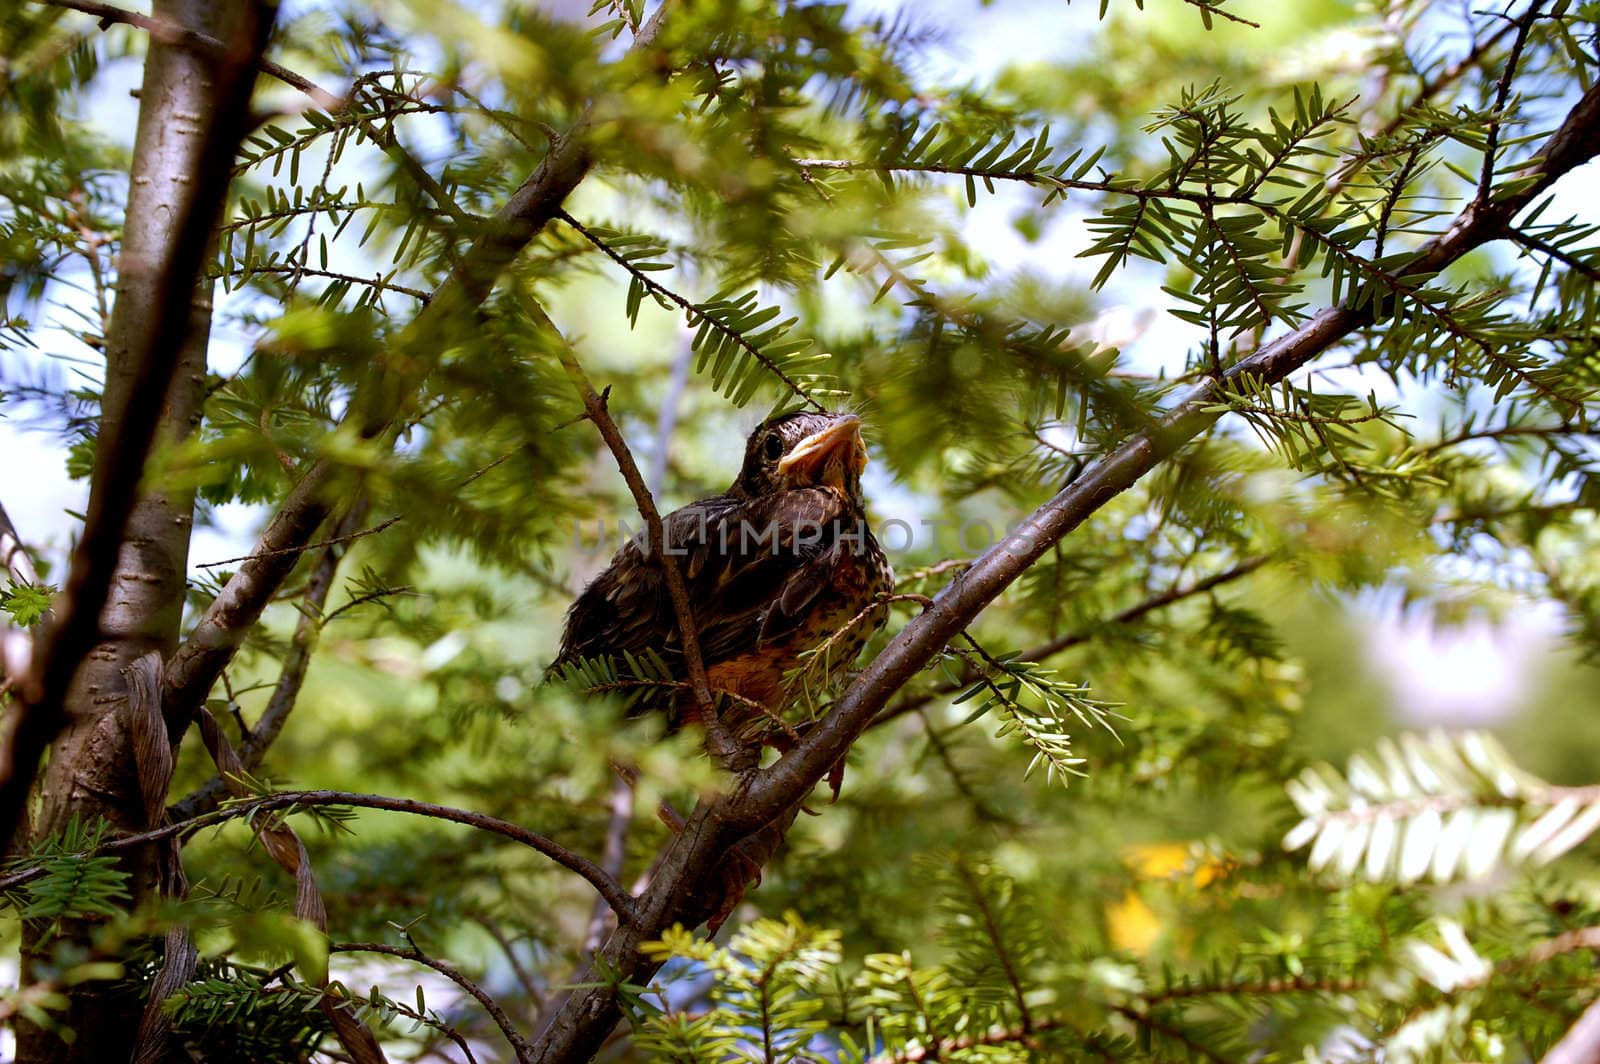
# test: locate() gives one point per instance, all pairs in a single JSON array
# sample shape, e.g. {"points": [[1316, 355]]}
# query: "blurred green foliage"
{"points": [[1223, 184]]}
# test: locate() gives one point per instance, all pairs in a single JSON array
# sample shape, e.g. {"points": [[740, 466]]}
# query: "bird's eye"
{"points": [[773, 447]]}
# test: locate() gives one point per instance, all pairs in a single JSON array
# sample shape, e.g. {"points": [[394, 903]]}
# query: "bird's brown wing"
{"points": [[751, 568]]}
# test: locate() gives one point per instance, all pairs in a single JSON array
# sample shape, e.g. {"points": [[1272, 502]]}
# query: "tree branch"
{"points": [[721, 743], [119, 460], [944, 1047], [1581, 1043], [1055, 646], [608, 888], [286, 692], [612, 857], [1577, 141], [508, 947], [678, 893], [519, 1044], [168, 32], [194, 668]]}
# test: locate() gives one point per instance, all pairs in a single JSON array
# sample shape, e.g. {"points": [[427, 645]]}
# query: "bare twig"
{"points": [[508, 947], [170, 33], [286, 692], [519, 1044], [613, 856], [607, 887], [347, 537], [1502, 95], [718, 739]]}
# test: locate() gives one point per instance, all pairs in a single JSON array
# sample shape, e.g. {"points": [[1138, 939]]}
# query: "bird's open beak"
{"points": [[811, 456]]}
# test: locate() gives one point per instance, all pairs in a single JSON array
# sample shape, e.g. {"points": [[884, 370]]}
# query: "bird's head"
{"points": [[804, 450]]}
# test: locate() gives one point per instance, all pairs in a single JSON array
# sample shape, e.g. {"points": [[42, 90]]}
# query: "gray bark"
{"points": [[91, 771]]}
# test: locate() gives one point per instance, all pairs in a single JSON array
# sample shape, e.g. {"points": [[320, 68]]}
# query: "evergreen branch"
{"points": [[991, 927], [1299, 134], [1300, 417], [291, 211], [1207, 8], [337, 996], [945, 1048], [1468, 513], [1044, 728], [908, 976], [1055, 646], [194, 667], [519, 1044], [1294, 984], [1394, 283], [718, 738], [286, 849], [1448, 806], [342, 538], [677, 891], [1252, 290], [1391, 199], [1151, 1022], [958, 778], [1409, 808], [1431, 87], [1022, 343], [1502, 433], [1534, 243], [386, 138], [296, 801], [1124, 232], [695, 314], [937, 569], [1567, 942], [1035, 177], [377, 282], [1462, 968]]}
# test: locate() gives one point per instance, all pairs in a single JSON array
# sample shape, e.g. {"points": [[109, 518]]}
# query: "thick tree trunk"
{"points": [[91, 770]]}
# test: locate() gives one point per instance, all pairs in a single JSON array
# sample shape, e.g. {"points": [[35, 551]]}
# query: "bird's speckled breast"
{"points": [[841, 621]]}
